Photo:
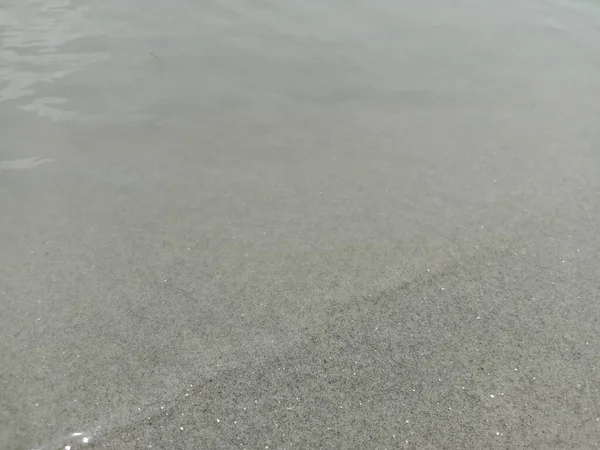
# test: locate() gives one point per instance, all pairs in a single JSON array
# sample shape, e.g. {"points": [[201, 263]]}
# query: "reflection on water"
{"points": [[33, 32], [159, 59], [22, 164]]}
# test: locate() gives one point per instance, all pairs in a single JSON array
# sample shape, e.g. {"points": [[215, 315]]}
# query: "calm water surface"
{"points": [[301, 224]]}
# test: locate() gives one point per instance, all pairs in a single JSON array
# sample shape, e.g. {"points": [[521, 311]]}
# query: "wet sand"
{"points": [[338, 225]]}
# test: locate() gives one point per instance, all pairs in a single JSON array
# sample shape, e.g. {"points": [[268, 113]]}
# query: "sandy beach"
{"points": [[305, 225]]}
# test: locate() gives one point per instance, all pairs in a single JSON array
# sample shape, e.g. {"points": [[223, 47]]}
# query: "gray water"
{"points": [[336, 224]]}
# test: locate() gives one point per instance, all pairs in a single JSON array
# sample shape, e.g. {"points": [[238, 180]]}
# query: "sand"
{"points": [[338, 225]]}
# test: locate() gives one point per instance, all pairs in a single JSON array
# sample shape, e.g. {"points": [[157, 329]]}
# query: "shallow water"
{"points": [[364, 224]]}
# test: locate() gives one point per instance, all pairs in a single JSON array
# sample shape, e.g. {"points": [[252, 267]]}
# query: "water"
{"points": [[167, 58], [335, 224]]}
